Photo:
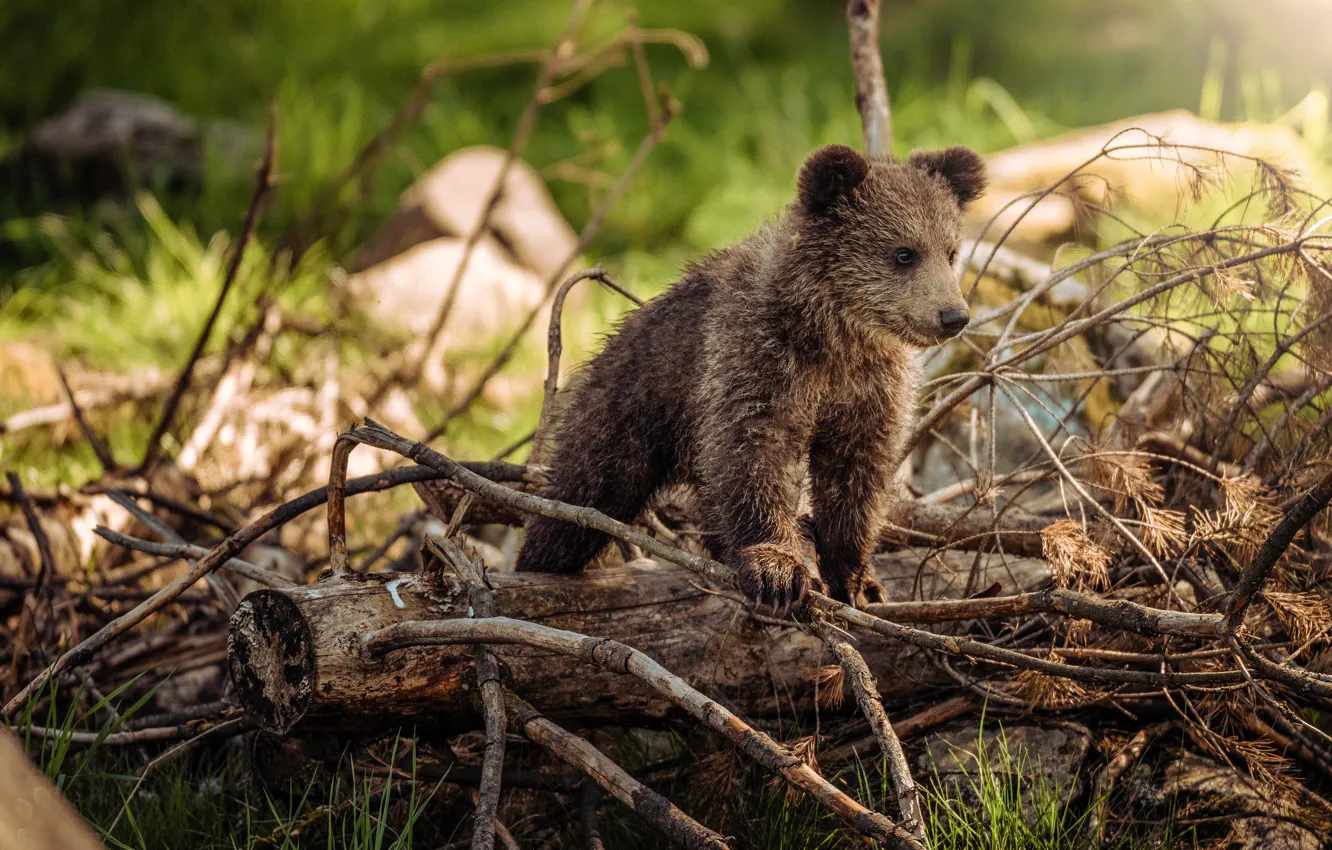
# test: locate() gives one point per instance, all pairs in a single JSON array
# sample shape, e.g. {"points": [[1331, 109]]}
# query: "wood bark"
{"points": [[33, 813], [297, 661]]}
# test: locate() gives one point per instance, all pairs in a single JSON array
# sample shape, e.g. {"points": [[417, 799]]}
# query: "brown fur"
{"points": [[794, 344]]}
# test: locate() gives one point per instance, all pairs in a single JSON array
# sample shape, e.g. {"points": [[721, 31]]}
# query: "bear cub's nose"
{"points": [[953, 321]]}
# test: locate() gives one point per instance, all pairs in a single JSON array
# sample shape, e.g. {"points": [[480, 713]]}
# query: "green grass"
{"points": [[209, 798], [209, 801]]}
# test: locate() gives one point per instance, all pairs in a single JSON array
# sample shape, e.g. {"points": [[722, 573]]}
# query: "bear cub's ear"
{"points": [[831, 172], [960, 166]]}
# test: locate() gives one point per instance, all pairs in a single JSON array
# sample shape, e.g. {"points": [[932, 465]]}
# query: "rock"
{"points": [[107, 143], [406, 291], [403, 273], [1136, 176], [1218, 785], [1043, 760], [449, 199], [1214, 789], [1268, 834]]}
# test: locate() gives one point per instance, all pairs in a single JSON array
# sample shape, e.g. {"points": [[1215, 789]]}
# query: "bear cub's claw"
{"points": [[772, 575], [859, 589]]}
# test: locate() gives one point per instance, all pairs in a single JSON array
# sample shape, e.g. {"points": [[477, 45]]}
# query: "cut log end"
{"points": [[271, 652]]}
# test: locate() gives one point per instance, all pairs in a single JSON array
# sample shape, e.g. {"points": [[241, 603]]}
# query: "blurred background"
{"points": [[121, 280]]}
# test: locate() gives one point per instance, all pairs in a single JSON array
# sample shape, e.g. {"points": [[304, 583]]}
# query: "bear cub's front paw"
{"points": [[772, 574], [858, 589]]}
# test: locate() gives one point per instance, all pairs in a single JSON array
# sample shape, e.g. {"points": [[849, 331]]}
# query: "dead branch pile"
{"points": [[1116, 501]]}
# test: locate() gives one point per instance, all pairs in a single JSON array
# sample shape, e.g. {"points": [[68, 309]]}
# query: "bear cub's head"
{"points": [[886, 234]]}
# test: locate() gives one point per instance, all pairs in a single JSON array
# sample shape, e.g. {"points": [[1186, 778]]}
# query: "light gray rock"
{"points": [[1042, 761], [449, 199], [1268, 834]]}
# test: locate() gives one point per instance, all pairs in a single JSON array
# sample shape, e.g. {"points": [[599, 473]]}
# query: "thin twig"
{"points": [[589, 797], [1105, 780], [46, 570], [338, 561], [225, 593], [866, 691], [148, 735], [481, 601], [263, 184], [244, 569], [100, 449], [555, 346]]}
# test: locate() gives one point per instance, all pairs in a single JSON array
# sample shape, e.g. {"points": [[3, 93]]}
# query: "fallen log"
{"points": [[297, 661]]}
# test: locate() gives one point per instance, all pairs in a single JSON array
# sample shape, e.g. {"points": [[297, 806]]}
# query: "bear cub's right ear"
{"points": [[830, 173]]}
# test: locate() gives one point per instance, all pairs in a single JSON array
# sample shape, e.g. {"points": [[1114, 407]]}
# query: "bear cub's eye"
{"points": [[952, 257], [905, 257]]}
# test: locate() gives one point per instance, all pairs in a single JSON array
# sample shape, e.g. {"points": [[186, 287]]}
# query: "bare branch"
{"points": [[862, 17], [263, 184], [618, 658], [659, 812], [866, 691]]}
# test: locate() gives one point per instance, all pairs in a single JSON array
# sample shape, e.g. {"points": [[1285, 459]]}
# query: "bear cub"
{"points": [[796, 346]]}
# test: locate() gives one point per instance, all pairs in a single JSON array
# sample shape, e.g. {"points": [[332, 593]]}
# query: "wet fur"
{"points": [[798, 343]]}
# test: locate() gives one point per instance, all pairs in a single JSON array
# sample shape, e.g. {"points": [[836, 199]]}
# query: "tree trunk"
{"points": [[296, 659]]}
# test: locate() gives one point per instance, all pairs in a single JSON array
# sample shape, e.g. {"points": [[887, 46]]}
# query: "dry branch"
{"points": [[1016, 531], [244, 569], [100, 449], [862, 17], [263, 184], [219, 555], [1109, 775], [655, 809], [617, 657], [47, 567], [555, 344], [866, 691], [589, 798], [481, 601]]}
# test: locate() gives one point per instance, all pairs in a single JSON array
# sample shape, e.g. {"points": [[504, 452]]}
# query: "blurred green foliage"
{"points": [[126, 286], [779, 82]]}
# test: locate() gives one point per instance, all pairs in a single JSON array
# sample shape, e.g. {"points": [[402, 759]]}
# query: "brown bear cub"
{"points": [[797, 344]]}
